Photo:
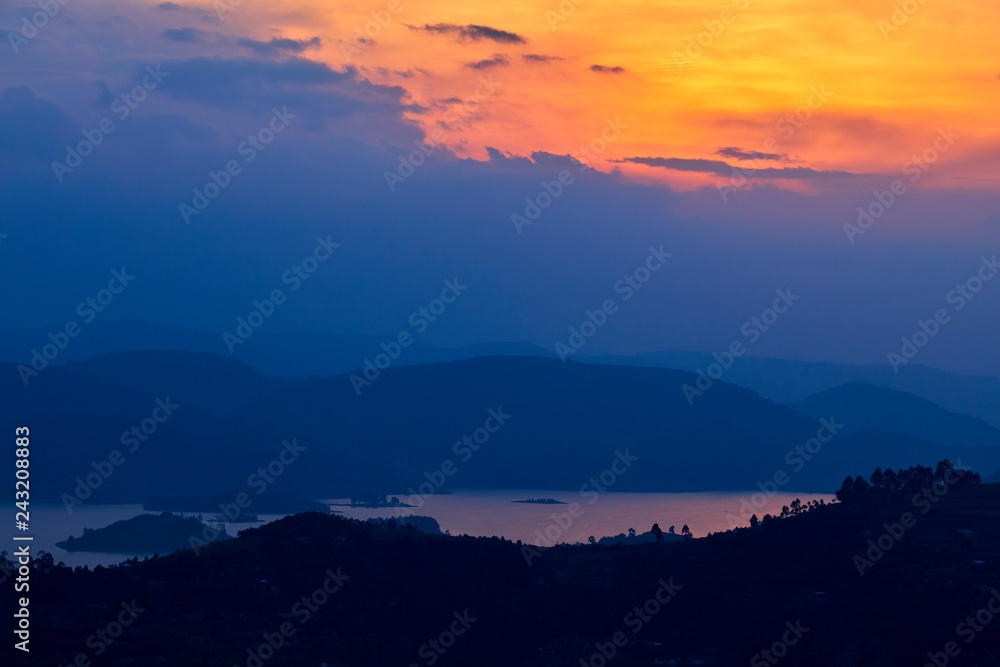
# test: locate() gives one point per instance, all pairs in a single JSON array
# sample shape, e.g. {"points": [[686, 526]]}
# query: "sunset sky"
{"points": [[743, 135], [686, 77]]}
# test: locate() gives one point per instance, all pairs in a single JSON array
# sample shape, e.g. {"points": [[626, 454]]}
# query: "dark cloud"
{"points": [[740, 154], [279, 44], [304, 86], [604, 69], [104, 96], [403, 74], [184, 35], [720, 168], [31, 126], [174, 7], [557, 162], [496, 60], [471, 32], [503, 158], [540, 58], [717, 167]]}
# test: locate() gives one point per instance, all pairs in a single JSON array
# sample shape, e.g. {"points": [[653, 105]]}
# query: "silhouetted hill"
{"points": [[718, 600], [145, 534], [286, 354], [566, 423], [789, 382], [81, 414], [862, 406], [304, 354], [208, 381]]}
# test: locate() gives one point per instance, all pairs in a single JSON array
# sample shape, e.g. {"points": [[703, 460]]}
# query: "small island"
{"points": [[374, 500], [540, 501], [145, 534]]}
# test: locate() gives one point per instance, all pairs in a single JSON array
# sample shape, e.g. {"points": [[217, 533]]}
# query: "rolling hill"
{"points": [[571, 426], [864, 406]]}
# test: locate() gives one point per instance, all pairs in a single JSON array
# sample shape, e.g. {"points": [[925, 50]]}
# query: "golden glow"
{"points": [[891, 86]]}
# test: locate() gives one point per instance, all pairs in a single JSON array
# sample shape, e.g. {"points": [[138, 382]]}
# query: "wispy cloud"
{"points": [[496, 60], [738, 153], [540, 58], [278, 44], [184, 35], [604, 69], [720, 168], [471, 32]]}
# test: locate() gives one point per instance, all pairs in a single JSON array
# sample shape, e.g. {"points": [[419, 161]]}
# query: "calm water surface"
{"points": [[462, 512]]}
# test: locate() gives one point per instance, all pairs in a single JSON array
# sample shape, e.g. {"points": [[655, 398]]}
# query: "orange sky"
{"points": [[889, 93]]}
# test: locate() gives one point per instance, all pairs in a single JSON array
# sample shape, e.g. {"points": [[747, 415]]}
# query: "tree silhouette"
{"points": [[846, 492], [753, 521], [657, 532], [685, 531]]}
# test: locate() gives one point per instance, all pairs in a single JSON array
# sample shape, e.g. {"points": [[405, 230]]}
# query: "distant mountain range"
{"points": [[864, 406], [314, 355], [485, 422]]}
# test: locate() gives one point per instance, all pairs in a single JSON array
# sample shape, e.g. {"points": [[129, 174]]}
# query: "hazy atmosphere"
{"points": [[526, 333]]}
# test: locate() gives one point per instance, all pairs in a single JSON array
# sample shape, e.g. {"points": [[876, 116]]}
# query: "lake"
{"points": [[480, 513]]}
